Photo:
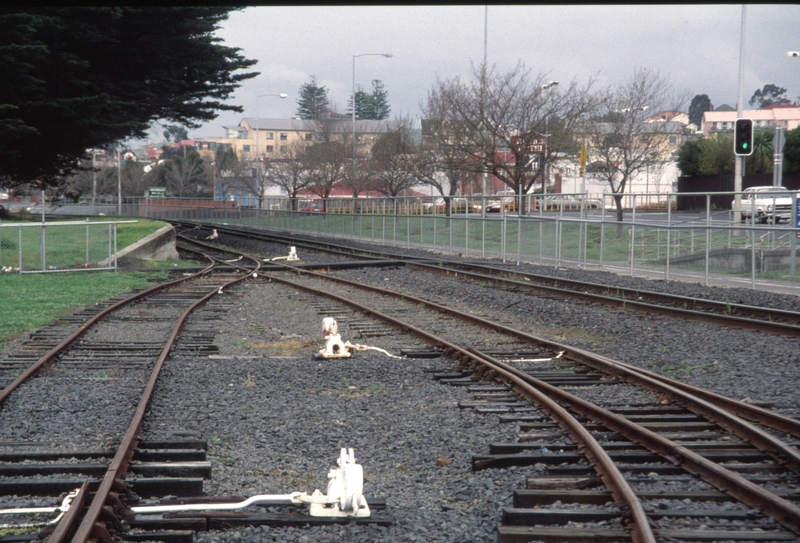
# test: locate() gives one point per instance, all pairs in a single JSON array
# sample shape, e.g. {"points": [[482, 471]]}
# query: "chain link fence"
{"points": [[552, 230], [58, 246]]}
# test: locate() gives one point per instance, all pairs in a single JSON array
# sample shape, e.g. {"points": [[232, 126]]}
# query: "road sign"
{"points": [[534, 144], [156, 192]]}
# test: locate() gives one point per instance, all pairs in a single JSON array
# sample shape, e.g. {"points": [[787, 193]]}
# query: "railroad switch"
{"points": [[292, 255], [334, 348], [344, 498]]}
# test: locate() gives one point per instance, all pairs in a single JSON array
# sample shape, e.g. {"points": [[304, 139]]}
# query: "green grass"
{"points": [[67, 246], [29, 302]]}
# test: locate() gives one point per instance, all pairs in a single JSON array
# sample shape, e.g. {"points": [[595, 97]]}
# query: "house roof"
{"points": [[343, 125], [777, 106], [725, 107], [665, 127], [791, 113]]}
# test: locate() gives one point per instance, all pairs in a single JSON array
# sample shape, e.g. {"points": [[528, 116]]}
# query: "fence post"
{"points": [[669, 230], [633, 229], [20, 249], [602, 230], [708, 233], [503, 237], [466, 231], [793, 236], [115, 247], [87, 241], [753, 251], [557, 248]]}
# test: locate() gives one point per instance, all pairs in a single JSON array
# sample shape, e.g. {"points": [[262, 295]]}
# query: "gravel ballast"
{"points": [[267, 436], [275, 417]]}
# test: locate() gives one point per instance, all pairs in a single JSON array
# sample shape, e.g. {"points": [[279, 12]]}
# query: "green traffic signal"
{"points": [[743, 137]]}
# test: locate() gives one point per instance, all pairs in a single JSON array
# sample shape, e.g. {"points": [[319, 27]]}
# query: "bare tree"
{"points": [[259, 179], [184, 175], [511, 124], [290, 171], [441, 161], [392, 163], [133, 180], [80, 183], [228, 171], [624, 139], [326, 159]]}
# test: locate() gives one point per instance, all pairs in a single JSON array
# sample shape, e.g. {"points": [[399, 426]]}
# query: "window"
{"points": [[673, 139], [309, 136], [245, 148], [212, 145], [283, 148], [270, 135], [270, 149], [284, 136]]}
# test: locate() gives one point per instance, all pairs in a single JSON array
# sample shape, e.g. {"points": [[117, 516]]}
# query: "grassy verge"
{"points": [[28, 302]]}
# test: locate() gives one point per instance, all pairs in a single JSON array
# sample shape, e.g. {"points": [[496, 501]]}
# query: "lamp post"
{"points": [[546, 86], [387, 55], [258, 126]]}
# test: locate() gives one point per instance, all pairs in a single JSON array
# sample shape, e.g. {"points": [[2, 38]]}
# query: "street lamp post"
{"points": [[258, 126], [387, 55], [546, 86]]}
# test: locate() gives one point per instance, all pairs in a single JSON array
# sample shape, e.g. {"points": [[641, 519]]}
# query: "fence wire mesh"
{"points": [[57, 246]]}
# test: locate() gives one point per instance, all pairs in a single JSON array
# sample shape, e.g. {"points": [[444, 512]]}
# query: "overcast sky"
{"points": [[696, 47]]}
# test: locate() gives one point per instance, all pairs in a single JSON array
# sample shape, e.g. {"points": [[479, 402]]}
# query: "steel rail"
{"points": [[751, 412], [715, 411], [631, 294], [748, 411], [784, 512], [725, 480], [629, 297], [89, 526], [82, 329], [772, 327], [634, 516]]}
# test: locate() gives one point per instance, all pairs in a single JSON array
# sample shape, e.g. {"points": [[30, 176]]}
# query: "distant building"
{"points": [[275, 137], [786, 116]]}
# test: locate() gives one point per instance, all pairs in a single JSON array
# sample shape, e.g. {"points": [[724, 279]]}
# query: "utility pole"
{"points": [[739, 160]]}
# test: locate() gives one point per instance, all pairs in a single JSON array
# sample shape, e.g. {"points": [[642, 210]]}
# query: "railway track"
{"points": [[700, 435], [722, 312], [595, 470]]}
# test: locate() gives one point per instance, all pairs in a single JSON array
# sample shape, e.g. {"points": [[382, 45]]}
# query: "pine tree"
{"points": [[313, 100], [379, 102], [362, 99], [372, 106]]}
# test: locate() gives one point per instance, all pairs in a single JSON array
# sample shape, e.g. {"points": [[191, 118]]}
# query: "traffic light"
{"points": [[743, 137]]}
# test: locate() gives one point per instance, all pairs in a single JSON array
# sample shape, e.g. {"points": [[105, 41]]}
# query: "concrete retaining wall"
{"points": [[160, 245]]}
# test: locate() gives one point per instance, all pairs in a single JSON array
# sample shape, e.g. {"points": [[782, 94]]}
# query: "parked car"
{"points": [[459, 205], [568, 202], [312, 207], [769, 203], [507, 203]]}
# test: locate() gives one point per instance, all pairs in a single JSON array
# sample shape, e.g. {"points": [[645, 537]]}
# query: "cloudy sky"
{"points": [[696, 47]]}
